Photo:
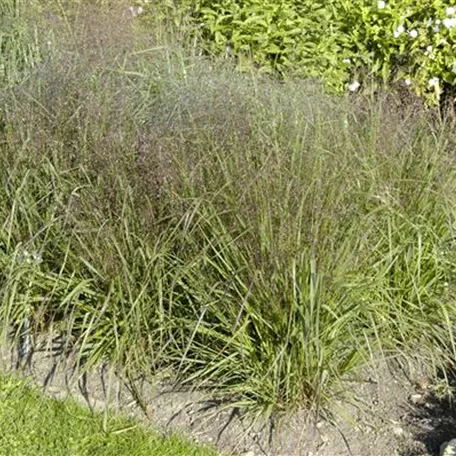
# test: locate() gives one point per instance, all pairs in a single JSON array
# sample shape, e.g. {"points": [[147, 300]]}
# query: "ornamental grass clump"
{"points": [[259, 239]]}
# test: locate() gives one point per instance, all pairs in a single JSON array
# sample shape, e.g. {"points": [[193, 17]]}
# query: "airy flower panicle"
{"points": [[29, 257]]}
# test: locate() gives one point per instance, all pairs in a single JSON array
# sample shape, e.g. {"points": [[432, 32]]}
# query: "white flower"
{"points": [[436, 29], [449, 22], [354, 86], [347, 61], [428, 50], [399, 31], [407, 82], [438, 21], [381, 4], [450, 11], [413, 33], [433, 82], [429, 22]]}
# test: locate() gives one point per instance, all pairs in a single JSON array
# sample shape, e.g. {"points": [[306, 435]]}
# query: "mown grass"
{"points": [[257, 238], [32, 425]]}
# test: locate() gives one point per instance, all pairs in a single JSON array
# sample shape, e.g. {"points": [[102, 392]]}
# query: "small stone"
{"points": [[448, 448], [135, 10], [398, 431], [416, 398], [422, 384], [325, 439]]}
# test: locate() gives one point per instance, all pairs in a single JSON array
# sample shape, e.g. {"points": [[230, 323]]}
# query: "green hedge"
{"points": [[346, 43]]}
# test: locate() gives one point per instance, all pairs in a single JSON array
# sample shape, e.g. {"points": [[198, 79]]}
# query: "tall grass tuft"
{"points": [[256, 238], [20, 47]]}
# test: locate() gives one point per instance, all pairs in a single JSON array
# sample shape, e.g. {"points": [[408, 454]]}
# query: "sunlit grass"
{"points": [[32, 425]]}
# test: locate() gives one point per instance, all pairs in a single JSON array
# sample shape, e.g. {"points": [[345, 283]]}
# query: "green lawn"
{"points": [[33, 425]]}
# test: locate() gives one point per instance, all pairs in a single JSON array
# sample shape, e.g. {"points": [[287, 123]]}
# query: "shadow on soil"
{"points": [[432, 423]]}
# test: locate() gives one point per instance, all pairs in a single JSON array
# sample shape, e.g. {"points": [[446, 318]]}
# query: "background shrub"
{"points": [[396, 42]]}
